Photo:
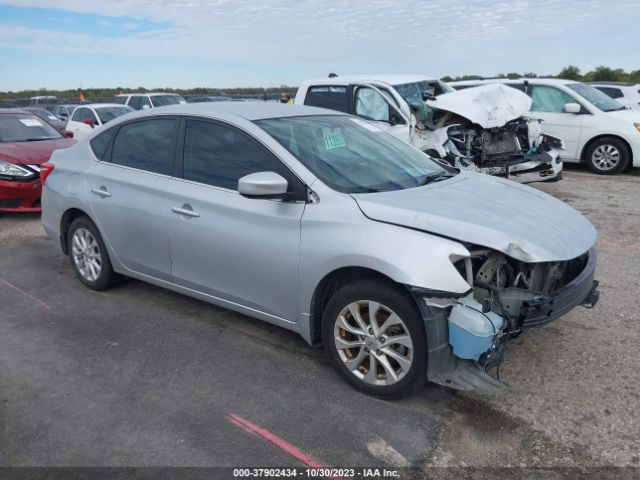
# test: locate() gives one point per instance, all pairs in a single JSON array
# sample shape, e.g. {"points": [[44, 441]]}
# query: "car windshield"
{"points": [[25, 128], [107, 114], [415, 93], [163, 100], [351, 155], [597, 98]]}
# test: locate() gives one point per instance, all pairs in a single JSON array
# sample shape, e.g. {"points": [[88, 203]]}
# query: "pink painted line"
{"points": [[35, 299], [617, 245], [273, 438]]}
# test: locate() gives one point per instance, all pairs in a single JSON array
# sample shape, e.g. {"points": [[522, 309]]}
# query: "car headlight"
{"points": [[637, 125], [11, 170]]}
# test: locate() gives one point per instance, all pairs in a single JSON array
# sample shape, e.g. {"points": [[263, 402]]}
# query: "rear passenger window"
{"points": [[100, 143], [218, 155], [332, 97], [147, 145]]}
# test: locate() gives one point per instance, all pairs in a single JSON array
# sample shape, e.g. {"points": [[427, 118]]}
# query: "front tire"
{"points": [[382, 354], [607, 156], [89, 257]]}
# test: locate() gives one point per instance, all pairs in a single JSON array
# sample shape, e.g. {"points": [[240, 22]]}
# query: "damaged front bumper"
{"points": [[447, 369]]}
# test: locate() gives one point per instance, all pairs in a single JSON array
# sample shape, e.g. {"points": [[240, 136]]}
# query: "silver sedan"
{"points": [[405, 269]]}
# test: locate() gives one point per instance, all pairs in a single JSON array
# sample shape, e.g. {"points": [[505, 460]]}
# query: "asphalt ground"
{"points": [[140, 376]]}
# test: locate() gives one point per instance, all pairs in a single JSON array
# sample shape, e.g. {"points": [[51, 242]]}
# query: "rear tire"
{"points": [[387, 357], [607, 156], [88, 255]]}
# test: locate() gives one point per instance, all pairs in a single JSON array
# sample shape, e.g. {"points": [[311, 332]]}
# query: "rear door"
{"points": [[548, 104], [240, 250], [128, 193]]}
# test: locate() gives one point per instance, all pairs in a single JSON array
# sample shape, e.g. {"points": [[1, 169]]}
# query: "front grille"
{"points": [[10, 203]]}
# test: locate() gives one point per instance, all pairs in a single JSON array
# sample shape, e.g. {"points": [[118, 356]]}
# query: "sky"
{"points": [[63, 44]]}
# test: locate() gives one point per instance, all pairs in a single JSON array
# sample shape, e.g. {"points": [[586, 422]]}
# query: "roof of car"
{"points": [[14, 110], [533, 81], [248, 110], [145, 94], [390, 79], [100, 105]]}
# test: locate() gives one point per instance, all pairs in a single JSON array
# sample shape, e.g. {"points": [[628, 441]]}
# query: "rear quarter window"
{"points": [[327, 96], [100, 143]]}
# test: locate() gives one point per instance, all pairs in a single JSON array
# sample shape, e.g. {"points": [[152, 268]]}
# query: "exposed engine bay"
{"points": [[486, 130]]}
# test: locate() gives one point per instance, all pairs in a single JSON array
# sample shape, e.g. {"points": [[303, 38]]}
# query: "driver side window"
{"points": [[371, 105], [549, 99]]}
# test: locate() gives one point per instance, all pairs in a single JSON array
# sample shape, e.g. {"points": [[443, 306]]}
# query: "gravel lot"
{"points": [[139, 375]]}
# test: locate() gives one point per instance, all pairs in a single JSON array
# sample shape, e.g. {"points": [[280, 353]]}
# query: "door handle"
{"points": [[101, 192], [185, 210]]}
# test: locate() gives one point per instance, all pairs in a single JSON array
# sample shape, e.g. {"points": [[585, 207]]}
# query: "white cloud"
{"points": [[314, 30]]}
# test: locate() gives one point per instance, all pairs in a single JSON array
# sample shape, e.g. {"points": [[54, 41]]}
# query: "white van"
{"points": [[596, 130]]}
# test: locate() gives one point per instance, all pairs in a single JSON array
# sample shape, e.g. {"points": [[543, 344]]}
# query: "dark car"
{"points": [[26, 142], [47, 116]]}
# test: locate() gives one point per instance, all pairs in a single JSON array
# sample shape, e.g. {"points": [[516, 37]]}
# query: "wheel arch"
{"points": [[65, 222], [591, 141], [330, 283]]}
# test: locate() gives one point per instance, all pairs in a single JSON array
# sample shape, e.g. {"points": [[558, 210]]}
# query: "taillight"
{"points": [[45, 170]]}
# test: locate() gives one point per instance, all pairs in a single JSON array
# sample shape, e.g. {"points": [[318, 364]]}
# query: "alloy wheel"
{"points": [[373, 343], [606, 157], [86, 254]]}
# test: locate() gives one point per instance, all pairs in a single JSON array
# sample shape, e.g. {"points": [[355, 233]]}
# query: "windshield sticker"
{"points": [[333, 138], [367, 125], [30, 122]]}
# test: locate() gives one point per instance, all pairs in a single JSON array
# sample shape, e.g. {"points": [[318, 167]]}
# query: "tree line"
{"points": [[571, 72]]}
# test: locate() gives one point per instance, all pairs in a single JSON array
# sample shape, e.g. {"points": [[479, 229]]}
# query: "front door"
{"points": [[548, 104], [241, 250]]}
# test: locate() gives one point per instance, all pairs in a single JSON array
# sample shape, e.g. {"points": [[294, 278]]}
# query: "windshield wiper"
{"points": [[435, 177]]}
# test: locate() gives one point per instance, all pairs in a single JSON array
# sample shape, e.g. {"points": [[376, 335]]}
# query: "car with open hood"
{"points": [[485, 131], [404, 268], [26, 142], [597, 130]]}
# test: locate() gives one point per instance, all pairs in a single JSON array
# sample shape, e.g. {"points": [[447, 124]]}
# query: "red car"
{"points": [[26, 142]]}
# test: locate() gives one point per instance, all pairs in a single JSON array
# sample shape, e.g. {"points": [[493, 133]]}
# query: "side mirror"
{"points": [[67, 133], [263, 185], [88, 121], [572, 108]]}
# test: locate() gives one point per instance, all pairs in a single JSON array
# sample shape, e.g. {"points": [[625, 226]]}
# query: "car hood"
{"points": [[489, 106], [629, 115], [32, 153], [520, 222]]}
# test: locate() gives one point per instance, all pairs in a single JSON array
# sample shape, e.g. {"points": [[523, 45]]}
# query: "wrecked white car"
{"points": [[483, 129]]}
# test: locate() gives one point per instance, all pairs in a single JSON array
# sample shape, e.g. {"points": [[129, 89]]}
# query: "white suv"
{"points": [[628, 94], [139, 101], [596, 130]]}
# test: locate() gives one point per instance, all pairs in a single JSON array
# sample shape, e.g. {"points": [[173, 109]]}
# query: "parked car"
{"points": [[404, 268], [139, 101], [63, 112], [596, 130], [47, 116], [26, 142], [483, 130], [628, 94], [209, 98], [86, 118]]}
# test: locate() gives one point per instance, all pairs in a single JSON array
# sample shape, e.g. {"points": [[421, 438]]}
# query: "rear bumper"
{"points": [[582, 290], [20, 196]]}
